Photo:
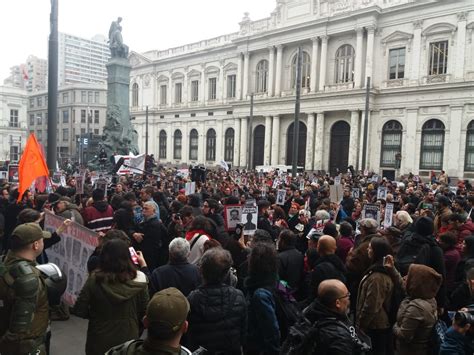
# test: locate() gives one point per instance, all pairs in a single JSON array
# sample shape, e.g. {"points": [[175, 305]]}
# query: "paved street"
{"points": [[69, 337]]}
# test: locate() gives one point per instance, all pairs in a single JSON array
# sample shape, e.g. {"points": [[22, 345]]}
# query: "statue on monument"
{"points": [[117, 48]]}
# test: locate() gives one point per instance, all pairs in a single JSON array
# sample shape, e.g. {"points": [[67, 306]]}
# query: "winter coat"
{"points": [[114, 310], [358, 261], [460, 297], [217, 319], [451, 261], [326, 267], [99, 216], [72, 212], [453, 343], [181, 275], [344, 245], [374, 299], [154, 245], [417, 313], [464, 264], [439, 217], [290, 267], [196, 239], [263, 223]]}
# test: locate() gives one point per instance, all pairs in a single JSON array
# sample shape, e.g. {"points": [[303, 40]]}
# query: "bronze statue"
{"points": [[117, 48]]}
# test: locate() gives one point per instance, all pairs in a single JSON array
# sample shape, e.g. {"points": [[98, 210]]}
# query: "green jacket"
{"points": [[24, 310], [114, 311], [146, 347]]}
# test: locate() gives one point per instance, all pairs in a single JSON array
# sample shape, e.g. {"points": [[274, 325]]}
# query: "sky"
{"points": [[147, 24]]}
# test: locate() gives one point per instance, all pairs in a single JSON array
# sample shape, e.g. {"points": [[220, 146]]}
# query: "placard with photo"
{"points": [[281, 194], [381, 193], [232, 216], [388, 220], [13, 174], [249, 219], [371, 211]]}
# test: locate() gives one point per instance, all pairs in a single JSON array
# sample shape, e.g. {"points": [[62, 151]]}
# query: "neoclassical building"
{"points": [[418, 54]]}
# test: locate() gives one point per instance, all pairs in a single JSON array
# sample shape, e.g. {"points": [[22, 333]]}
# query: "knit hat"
{"points": [[424, 226]]}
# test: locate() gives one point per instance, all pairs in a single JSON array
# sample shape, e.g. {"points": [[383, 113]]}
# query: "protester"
{"points": [[99, 215], [290, 260]]}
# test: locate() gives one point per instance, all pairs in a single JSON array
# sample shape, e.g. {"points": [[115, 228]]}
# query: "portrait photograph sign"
{"points": [[281, 194], [13, 176], [371, 211], [249, 219], [388, 220], [232, 216]]}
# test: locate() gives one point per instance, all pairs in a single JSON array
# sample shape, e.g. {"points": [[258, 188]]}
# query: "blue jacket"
{"points": [[453, 343]]}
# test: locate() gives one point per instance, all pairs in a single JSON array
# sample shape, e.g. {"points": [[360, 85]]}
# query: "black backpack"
{"points": [[287, 309], [411, 253]]}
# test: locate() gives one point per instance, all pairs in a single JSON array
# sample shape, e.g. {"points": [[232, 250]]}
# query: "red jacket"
{"points": [[99, 217]]}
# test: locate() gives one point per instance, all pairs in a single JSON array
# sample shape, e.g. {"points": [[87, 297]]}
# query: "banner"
{"points": [[71, 253], [137, 164]]}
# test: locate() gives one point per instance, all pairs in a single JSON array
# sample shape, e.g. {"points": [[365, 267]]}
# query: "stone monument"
{"points": [[119, 136]]}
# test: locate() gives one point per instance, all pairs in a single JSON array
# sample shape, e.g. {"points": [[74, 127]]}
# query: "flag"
{"points": [[223, 164], [24, 73], [32, 165], [137, 163]]}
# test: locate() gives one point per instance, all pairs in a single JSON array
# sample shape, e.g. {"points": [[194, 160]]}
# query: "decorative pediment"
{"points": [[211, 69], [135, 59], [230, 66], [397, 36], [438, 28], [177, 75], [194, 72], [162, 77]]}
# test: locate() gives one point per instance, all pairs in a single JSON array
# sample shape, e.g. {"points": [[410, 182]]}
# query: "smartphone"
{"points": [[384, 260], [133, 255]]}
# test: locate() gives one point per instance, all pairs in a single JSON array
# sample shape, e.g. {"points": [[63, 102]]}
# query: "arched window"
{"points": [[262, 76], [432, 145], [135, 95], [345, 64], [162, 145], [211, 145], [391, 144], [229, 145], [178, 144], [305, 70], [193, 144], [469, 161]]}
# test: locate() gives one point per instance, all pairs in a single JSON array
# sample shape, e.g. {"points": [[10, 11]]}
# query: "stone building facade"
{"points": [[418, 54]]}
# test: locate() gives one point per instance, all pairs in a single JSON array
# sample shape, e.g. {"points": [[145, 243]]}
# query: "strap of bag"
{"points": [[195, 240]]}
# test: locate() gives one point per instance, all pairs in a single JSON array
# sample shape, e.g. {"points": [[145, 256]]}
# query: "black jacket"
{"points": [[327, 267], [218, 319], [154, 245], [182, 275], [290, 267], [264, 224]]}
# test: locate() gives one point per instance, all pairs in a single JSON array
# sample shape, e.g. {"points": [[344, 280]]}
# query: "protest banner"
{"points": [[388, 220], [281, 194], [371, 211], [190, 188], [249, 218], [71, 253], [232, 216]]}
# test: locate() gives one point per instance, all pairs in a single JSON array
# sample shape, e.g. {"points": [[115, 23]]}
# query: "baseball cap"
{"points": [[30, 232], [167, 311]]}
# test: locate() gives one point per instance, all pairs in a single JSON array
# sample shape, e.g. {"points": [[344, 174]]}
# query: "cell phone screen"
{"points": [[133, 255]]}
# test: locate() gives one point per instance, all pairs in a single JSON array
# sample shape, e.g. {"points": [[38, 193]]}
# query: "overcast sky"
{"points": [[147, 24]]}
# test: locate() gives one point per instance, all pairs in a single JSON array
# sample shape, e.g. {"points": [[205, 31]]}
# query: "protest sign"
{"points": [[281, 194], [388, 220], [335, 193], [3, 175], [381, 193], [337, 180], [62, 180], [249, 219], [301, 185], [190, 188], [355, 192], [232, 216], [13, 175], [71, 253], [371, 211], [80, 184]]}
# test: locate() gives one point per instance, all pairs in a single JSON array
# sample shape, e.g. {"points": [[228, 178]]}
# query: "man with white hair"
{"points": [[178, 272]]}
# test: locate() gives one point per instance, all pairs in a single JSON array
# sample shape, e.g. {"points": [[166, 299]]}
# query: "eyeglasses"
{"points": [[346, 295]]}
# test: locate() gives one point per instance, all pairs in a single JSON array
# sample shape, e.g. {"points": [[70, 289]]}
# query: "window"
{"points": [[438, 58], [83, 96], [65, 116], [39, 118], [96, 116], [212, 94], [162, 145], [397, 63], [96, 97], [391, 144], [305, 70], [193, 114], [14, 153], [262, 76], [83, 116], [229, 145], [13, 118], [65, 134], [89, 96], [39, 134], [65, 97], [469, 161], [432, 145], [211, 145], [178, 142], [39, 101], [195, 90], [345, 64], [163, 94], [96, 131], [178, 91], [135, 95], [193, 144], [32, 103], [32, 119], [83, 131], [231, 86]]}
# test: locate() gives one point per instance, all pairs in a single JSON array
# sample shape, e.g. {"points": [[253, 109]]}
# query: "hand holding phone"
{"points": [[133, 255]]}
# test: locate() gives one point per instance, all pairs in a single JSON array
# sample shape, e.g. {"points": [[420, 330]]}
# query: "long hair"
{"points": [[115, 263], [263, 261]]}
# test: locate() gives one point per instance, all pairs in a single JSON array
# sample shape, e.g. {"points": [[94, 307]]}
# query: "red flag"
{"points": [[24, 72], [32, 165]]}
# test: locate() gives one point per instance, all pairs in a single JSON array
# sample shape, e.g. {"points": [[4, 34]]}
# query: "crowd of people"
{"points": [[319, 275]]}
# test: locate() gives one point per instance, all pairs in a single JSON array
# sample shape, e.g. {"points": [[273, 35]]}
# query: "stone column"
{"points": [[416, 52], [358, 58], [369, 58], [354, 138], [244, 142], [170, 91], [324, 60], [245, 90], [314, 64], [310, 142], [202, 143], [169, 143], [276, 140], [460, 46], [203, 87], [278, 69], [361, 139], [268, 140], [454, 164], [319, 146], [185, 143], [185, 87], [220, 141], [236, 161], [410, 153], [238, 84], [271, 70]]}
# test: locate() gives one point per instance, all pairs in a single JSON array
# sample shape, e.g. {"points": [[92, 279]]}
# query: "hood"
{"points": [[101, 206], [423, 239], [422, 282], [333, 259], [316, 311], [72, 206], [118, 292]]}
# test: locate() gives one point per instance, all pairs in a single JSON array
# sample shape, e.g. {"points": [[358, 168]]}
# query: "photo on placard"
{"points": [[13, 175], [355, 192], [381, 193], [281, 194], [388, 220], [249, 219], [232, 216], [3, 175], [371, 211]]}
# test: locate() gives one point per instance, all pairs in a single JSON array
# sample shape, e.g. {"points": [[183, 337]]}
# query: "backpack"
{"points": [[438, 336], [286, 308], [411, 253]]}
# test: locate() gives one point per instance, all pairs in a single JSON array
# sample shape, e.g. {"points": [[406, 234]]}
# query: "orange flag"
{"points": [[32, 165]]}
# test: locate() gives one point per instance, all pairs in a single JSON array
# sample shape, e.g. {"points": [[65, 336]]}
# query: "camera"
{"points": [[239, 228], [463, 318]]}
